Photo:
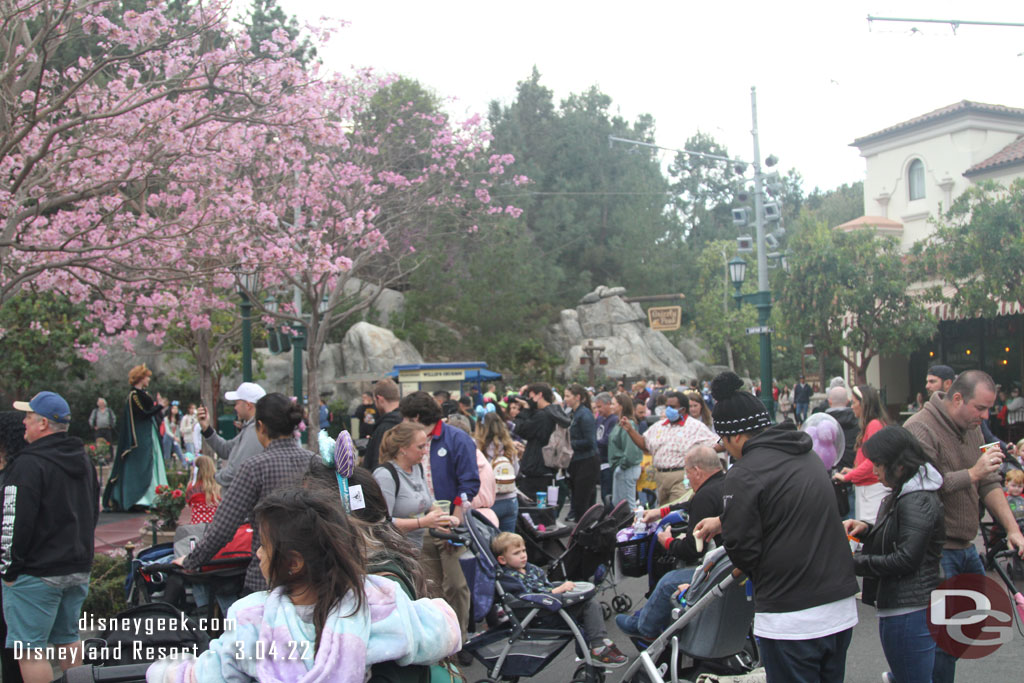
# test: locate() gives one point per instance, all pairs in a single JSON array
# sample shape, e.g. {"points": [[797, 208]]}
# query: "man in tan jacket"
{"points": [[948, 428]]}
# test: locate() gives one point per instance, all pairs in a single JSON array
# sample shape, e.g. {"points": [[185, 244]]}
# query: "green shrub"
{"points": [[178, 478], [106, 586]]}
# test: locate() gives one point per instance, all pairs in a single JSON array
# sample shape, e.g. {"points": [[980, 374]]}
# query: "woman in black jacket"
{"points": [[585, 467], [900, 558]]}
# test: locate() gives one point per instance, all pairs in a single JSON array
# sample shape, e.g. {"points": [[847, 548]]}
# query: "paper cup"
{"points": [[553, 495], [542, 499]]}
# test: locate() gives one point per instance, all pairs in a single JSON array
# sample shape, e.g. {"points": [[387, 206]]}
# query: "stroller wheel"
{"points": [[585, 674], [621, 603], [606, 611]]}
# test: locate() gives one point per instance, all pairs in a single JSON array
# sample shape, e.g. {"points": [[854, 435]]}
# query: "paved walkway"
{"points": [[115, 529]]}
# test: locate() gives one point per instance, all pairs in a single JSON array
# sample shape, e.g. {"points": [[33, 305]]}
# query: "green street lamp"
{"points": [[762, 301], [246, 284]]}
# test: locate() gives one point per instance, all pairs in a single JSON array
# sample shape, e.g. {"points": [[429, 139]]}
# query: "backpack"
{"points": [[390, 467], [504, 474], [557, 451]]}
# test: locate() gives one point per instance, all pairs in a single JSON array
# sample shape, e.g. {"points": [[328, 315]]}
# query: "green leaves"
{"points": [[849, 290], [977, 248]]}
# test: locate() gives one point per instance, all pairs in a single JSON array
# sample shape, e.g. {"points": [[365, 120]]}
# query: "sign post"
{"points": [[665, 318]]}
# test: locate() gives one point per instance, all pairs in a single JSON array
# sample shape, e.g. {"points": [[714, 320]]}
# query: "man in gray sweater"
{"points": [[948, 428], [245, 445]]}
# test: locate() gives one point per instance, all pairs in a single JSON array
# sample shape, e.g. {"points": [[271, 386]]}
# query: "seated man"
{"points": [[517, 576], [704, 470]]}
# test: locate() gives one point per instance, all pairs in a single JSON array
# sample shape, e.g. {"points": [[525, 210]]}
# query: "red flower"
{"points": [[92, 447], [177, 493]]}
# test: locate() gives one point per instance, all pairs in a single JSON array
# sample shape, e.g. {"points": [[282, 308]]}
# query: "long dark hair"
{"points": [[871, 408], [311, 524], [581, 391], [899, 452], [280, 415], [383, 541]]}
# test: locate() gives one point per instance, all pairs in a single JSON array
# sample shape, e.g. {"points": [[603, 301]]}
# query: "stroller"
{"points": [[543, 534], [712, 632], [643, 555], [994, 537], [528, 631], [590, 555]]}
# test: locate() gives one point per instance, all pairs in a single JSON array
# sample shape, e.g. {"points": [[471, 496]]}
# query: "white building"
{"points": [[914, 171]]}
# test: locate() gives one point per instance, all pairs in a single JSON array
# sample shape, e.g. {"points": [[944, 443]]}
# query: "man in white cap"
{"points": [[245, 444]]}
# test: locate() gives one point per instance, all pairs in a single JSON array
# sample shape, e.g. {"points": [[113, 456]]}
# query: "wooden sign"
{"points": [[665, 318]]}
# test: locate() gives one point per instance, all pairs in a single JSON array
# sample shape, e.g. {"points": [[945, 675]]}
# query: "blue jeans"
{"points": [[624, 485], [606, 484], [800, 412], [656, 615], [818, 660], [507, 509], [909, 647], [953, 562]]}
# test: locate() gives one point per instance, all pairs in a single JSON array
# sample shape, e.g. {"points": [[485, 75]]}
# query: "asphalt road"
{"points": [[865, 660]]}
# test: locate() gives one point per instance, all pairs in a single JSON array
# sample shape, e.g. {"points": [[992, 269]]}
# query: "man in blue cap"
{"points": [[49, 515]]}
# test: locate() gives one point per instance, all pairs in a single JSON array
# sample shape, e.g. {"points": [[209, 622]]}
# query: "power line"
{"points": [[954, 23]]}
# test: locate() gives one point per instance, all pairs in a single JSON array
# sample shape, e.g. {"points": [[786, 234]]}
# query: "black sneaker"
{"points": [[464, 658]]}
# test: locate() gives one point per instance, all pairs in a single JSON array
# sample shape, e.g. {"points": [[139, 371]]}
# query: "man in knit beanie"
{"points": [[780, 526]]}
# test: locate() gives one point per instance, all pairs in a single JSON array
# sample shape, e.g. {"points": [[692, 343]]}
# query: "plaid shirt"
{"points": [[533, 581], [668, 442], [282, 463]]}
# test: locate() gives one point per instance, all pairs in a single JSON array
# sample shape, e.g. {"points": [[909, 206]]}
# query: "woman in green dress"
{"points": [[139, 465]]}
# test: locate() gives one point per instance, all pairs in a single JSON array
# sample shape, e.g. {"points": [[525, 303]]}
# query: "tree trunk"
{"points": [[204, 363], [728, 356], [313, 348]]}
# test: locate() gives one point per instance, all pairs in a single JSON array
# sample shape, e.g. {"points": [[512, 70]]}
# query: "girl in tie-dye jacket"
{"points": [[324, 619]]}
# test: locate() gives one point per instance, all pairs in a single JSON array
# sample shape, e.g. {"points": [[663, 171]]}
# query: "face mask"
{"points": [[671, 414]]}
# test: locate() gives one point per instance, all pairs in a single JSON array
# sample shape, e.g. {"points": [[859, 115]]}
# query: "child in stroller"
{"points": [[517, 576]]}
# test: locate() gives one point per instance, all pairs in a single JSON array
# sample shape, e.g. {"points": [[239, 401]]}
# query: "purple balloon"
{"points": [[344, 455]]}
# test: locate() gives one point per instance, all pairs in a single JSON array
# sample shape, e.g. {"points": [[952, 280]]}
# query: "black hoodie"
{"points": [[50, 509], [781, 526], [536, 426], [851, 429]]}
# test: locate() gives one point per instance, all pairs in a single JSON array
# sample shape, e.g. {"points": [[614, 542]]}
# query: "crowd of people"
{"points": [[371, 583]]}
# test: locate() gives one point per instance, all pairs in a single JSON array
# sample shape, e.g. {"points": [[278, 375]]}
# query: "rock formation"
{"points": [[632, 348]]}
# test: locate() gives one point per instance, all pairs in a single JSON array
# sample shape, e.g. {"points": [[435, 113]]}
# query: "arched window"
{"points": [[915, 179]]}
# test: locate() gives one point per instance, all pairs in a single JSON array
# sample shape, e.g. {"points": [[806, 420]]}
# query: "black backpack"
{"points": [[390, 467]]}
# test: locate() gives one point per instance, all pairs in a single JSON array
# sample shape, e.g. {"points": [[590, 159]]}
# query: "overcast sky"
{"points": [[823, 75]]}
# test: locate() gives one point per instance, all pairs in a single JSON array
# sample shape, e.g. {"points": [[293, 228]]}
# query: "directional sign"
{"points": [[665, 318], [764, 329]]}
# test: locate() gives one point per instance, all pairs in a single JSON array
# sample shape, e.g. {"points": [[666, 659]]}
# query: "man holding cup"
{"points": [[949, 429]]}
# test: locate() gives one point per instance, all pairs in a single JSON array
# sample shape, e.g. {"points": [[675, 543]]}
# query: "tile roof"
{"points": [[1010, 155], [961, 107]]}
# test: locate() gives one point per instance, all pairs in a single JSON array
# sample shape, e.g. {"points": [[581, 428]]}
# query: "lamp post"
{"points": [[246, 283], [762, 299]]}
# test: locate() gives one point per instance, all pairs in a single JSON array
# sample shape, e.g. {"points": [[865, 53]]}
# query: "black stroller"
{"points": [[712, 631], [590, 555], [527, 631]]}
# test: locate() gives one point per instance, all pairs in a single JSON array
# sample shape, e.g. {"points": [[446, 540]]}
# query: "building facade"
{"points": [[914, 170]]}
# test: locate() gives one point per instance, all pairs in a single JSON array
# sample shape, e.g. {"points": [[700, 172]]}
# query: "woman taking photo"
{"points": [[900, 558], [869, 492], [401, 479], [585, 467], [139, 465]]}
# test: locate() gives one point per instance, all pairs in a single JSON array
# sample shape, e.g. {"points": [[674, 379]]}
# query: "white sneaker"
{"points": [[887, 678]]}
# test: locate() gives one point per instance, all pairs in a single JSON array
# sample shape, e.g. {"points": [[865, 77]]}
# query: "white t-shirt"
{"points": [[806, 624]]}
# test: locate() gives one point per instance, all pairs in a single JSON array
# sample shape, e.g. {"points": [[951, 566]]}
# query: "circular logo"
{"points": [[970, 616]]}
